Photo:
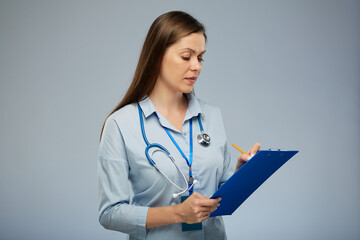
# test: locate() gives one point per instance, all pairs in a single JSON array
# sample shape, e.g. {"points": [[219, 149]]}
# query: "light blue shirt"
{"points": [[129, 184]]}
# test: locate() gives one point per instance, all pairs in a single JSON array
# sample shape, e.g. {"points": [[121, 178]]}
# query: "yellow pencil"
{"points": [[242, 151]]}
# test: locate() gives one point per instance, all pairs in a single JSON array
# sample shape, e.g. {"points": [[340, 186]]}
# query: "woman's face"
{"points": [[181, 64]]}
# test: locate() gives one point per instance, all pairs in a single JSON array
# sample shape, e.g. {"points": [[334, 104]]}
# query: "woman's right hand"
{"points": [[197, 208]]}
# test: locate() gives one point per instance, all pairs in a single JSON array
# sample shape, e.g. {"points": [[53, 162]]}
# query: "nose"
{"points": [[195, 65]]}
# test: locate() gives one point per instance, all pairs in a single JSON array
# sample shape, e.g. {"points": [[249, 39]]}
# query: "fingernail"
{"points": [[252, 155], [248, 158]]}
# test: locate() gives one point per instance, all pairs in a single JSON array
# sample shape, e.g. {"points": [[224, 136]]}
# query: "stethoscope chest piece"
{"points": [[203, 139]]}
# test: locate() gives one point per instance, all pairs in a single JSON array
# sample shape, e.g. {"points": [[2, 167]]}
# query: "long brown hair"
{"points": [[165, 31]]}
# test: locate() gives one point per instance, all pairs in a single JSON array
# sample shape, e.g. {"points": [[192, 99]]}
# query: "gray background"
{"points": [[285, 73]]}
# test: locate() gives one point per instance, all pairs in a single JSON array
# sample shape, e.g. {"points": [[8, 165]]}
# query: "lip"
{"points": [[191, 79]]}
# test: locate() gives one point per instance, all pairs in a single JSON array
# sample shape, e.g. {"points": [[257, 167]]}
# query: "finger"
{"points": [[218, 199], [197, 195], [208, 203], [207, 212], [244, 157], [254, 149], [204, 218], [201, 213], [213, 209], [195, 199]]}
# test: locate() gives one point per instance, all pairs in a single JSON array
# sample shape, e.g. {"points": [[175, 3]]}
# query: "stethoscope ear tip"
{"points": [[175, 195]]}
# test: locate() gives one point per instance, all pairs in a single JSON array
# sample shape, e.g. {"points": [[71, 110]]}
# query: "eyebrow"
{"points": [[192, 50]]}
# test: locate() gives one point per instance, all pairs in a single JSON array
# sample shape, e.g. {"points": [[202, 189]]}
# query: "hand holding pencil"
{"points": [[245, 156]]}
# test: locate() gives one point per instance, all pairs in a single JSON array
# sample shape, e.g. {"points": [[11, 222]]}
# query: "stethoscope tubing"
{"points": [[162, 148]]}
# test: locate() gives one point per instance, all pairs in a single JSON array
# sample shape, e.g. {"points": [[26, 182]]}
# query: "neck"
{"points": [[172, 105], [168, 102]]}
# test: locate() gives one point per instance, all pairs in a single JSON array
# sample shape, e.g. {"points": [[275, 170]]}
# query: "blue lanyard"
{"points": [[189, 162]]}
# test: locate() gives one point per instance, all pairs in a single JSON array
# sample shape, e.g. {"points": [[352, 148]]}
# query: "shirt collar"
{"points": [[147, 107], [194, 109]]}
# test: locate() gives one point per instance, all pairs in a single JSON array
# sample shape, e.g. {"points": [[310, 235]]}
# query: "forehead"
{"points": [[194, 41]]}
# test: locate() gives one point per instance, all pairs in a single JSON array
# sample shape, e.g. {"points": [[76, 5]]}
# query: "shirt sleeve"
{"points": [[115, 210]]}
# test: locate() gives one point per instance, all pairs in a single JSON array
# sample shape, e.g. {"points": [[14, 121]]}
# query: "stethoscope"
{"points": [[203, 139]]}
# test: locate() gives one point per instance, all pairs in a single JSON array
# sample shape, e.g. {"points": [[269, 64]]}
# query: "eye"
{"points": [[200, 59], [186, 58]]}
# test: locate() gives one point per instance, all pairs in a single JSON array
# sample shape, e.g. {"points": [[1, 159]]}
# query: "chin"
{"points": [[188, 90]]}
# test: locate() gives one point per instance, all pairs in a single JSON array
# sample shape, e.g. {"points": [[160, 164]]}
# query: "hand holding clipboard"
{"points": [[248, 178]]}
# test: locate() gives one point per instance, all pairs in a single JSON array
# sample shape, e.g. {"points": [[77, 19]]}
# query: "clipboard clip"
{"points": [[276, 149]]}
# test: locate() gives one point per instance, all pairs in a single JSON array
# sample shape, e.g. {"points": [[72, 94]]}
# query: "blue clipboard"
{"points": [[248, 178]]}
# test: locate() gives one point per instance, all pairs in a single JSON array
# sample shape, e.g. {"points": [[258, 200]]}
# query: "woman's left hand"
{"points": [[243, 158]]}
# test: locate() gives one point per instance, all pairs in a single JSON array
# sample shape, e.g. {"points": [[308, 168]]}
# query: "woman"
{"points": [[159, 107]]}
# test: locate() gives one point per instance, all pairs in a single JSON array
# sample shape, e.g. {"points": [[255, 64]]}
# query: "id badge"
{"points": [[190, 227]]}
